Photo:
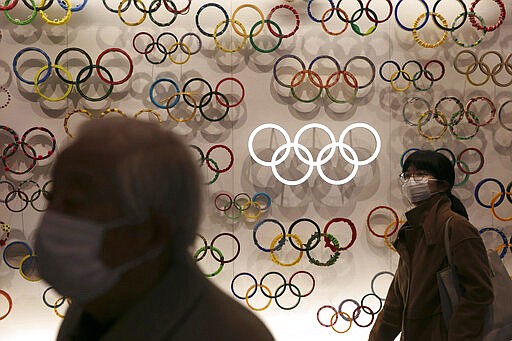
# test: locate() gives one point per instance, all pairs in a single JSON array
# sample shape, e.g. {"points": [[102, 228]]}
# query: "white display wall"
{"points": [[95, 29]]}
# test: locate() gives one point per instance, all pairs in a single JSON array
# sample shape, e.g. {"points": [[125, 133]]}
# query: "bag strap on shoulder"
{"points": [[447, 242]]}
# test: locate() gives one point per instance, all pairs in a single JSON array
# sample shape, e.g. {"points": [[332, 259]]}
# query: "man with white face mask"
{"points": [[124, 209]]}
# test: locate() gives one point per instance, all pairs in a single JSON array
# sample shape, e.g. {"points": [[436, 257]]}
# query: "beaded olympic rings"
{"points": [[77, 81], [247, 34], [502, 248], [308, 77], [265, 290], [478, 64]]}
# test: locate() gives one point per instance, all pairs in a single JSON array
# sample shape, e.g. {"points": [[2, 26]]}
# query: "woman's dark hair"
{"points": [[441, 168]]}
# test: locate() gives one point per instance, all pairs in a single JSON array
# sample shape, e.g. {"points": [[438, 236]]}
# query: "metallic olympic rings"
{"points": [[197, 98], [323, 156], [206, 159], [278, 293], [166, 50], [69, 80], [242, 204], [412, 77], [336, 76], [479, 65]]}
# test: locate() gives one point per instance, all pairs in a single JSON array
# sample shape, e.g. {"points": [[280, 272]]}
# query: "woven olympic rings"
{"points": [[315, 80], [422, 70], [241, 31], [502, 248], [215, 252], [323, 156], [478, 64], [172, 97], [43, 6], [449, 121], [278, 293], [154, 6], [26, 192], [78, 81], [457, 161], [166, 50], [210, 163], [242, 204]]}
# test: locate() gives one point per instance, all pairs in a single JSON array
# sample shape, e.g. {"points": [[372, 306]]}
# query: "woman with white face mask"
{"points": [[412, 306]]}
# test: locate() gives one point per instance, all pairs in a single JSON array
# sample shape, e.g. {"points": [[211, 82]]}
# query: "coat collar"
{"points": [[426, 216]]}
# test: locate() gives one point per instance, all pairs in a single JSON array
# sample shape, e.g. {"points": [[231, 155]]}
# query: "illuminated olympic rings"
{"points": [[448, 120], [323, 156], [412, 77], [206, 159], [479, 65], [247, 33], [308, 77], [242, 204], [265, 290], [166, 50], [69, 80], [197, 98], [215, 252]]}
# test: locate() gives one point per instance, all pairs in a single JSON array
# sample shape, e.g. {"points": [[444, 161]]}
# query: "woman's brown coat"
{"points": [[412, 305]]}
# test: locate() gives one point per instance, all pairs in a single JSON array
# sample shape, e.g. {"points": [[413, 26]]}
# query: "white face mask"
{"points": [[417, 190], [69, 256]]}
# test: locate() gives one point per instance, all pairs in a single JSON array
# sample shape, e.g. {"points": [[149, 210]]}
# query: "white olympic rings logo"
{"points": [[321, 159]]}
